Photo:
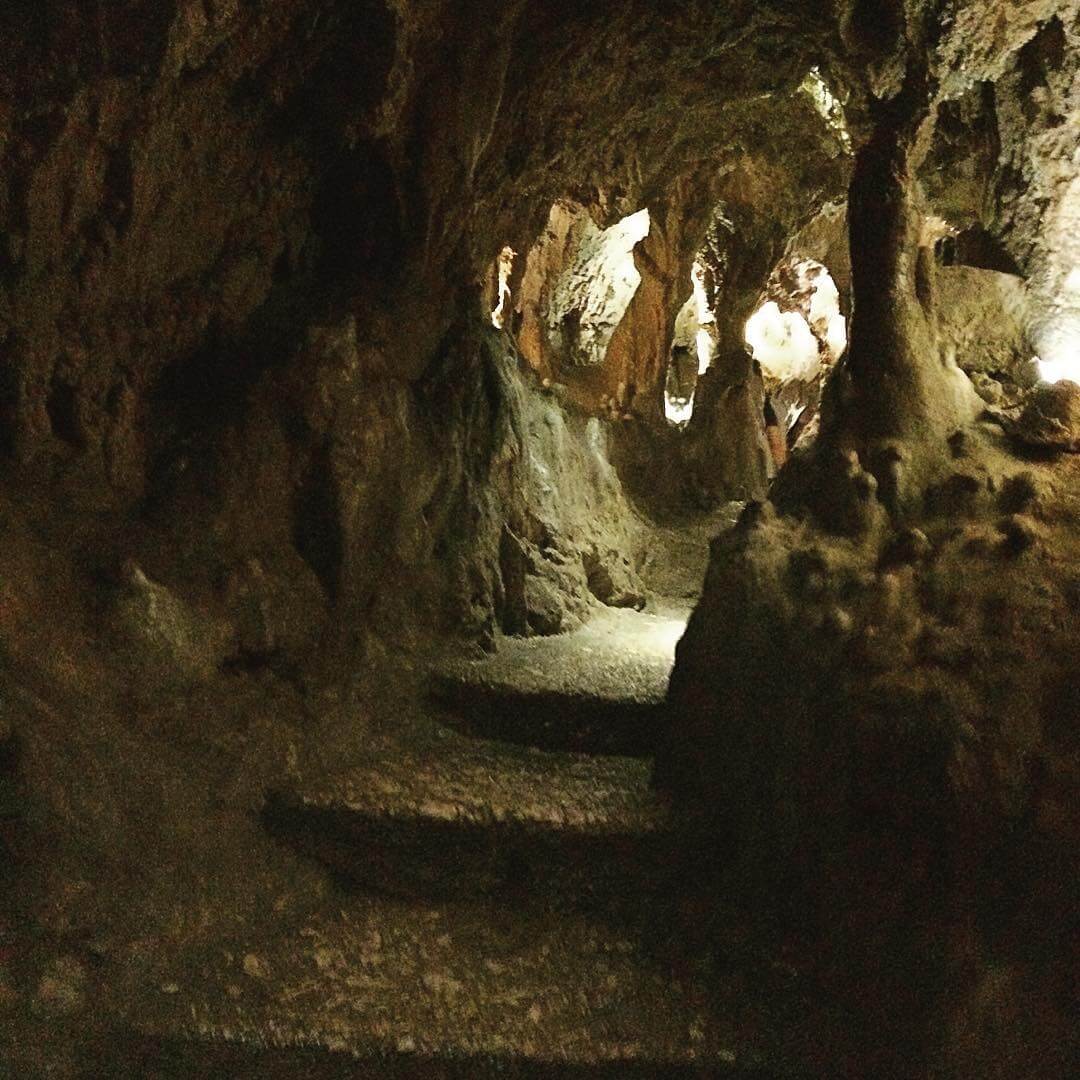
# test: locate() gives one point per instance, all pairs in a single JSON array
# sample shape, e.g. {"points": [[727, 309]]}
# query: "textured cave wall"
{"points": [[249, 422], [772, 202], [246, 410], [1003, 169], [876, 697], [192, 195]]}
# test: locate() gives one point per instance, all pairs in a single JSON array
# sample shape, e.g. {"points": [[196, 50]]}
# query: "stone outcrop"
{"points": [[982, 316]]}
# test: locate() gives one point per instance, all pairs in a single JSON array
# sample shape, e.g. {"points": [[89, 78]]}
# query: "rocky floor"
{"points": [[474, 886], [599, 689], [496, 912], [467, 819]]}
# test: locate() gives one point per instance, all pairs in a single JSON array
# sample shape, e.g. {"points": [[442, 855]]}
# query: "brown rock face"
{"points": [[187, 209], [259, 438]]}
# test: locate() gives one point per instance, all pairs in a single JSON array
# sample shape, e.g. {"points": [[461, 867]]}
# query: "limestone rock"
{"points": [[277, 611], [612, 580], [982, 316], [170, 645], [868, 748], [1051, 417]]}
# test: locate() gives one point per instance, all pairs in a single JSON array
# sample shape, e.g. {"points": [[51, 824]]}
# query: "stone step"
{"points": [[599, 690], [389, 988], [470, 818]]}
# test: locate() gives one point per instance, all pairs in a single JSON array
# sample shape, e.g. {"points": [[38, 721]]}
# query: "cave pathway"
{"points": [[501, 897], [494, 897]]}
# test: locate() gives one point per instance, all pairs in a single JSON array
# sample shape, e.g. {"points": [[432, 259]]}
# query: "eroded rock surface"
{"points": [[243, 251], [872, 737]]}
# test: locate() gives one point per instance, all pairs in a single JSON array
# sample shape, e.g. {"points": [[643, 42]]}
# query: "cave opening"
{"points": [[692, 349], [796, 336]]}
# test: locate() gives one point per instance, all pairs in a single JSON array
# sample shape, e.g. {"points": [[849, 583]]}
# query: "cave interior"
{"points": [[539, 540]]}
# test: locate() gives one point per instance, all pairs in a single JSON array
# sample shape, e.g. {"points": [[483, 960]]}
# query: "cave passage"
{"points": [[539, 540]]}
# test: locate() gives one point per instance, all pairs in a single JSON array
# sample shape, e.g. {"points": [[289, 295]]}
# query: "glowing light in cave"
{"points": [[705, 348], [701, 298], [703, 340], [788, 344], [678, 410], [1057, 337], [1058, 368], [505, 269], [782, 343], [695, 335], [619, 243], [631, 229], [658, 634]]}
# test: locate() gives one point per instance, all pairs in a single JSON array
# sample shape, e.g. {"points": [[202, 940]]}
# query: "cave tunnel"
{"points": [[539, 539]]}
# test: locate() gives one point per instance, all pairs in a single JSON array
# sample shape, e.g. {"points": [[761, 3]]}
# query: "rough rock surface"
{"points": [[872, 739], [599, 689], [982, 316], [1050, 417], [242, 255]]}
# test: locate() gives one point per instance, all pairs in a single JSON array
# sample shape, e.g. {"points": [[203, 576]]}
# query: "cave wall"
{"points": [[875, 699], [247, 412], [236, 242]]}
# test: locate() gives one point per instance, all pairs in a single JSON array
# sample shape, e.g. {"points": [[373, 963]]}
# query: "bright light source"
{"points": [[703, 340], [1057, 338], [789, 344], [658, 634], [782, 343], [1059, 367], [825, 302], [505, 269], [705, 349], [632, 228], [678, 410]]}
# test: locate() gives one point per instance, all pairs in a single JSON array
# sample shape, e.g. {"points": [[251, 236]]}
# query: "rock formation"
{"points": [[283, 424]]}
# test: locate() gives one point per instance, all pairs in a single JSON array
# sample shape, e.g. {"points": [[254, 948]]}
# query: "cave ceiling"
{"points": [[178, 165]]}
